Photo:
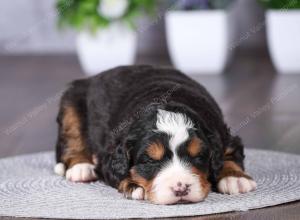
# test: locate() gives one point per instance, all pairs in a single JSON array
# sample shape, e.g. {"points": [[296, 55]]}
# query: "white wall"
{"points": [[30, 26]]}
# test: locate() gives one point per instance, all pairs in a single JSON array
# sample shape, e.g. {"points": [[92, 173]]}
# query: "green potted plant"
{"points": [[198, 35], [283, 34], [106, 30]]}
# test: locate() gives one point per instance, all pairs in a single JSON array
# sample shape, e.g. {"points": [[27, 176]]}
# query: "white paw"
{"points": [[236, 185], [138, 193], [60, 169], [81, 172]]}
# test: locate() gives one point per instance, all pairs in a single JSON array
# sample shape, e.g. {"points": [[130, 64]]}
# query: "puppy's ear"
{"points": [[216, 155], [216, 158], [115, 166]]}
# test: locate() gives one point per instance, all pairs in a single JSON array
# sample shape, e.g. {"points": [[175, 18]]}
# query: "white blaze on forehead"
{"points": [[174, 124]]}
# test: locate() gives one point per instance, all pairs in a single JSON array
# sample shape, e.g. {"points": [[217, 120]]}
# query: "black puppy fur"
{"points": [[117, 113]]}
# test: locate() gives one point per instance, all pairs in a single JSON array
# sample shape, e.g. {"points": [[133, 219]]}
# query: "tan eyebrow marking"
{"points": [[194, 147], [156, 151]]}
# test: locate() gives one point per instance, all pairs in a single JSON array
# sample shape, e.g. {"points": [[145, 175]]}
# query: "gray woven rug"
{"points": [[29, 188]]}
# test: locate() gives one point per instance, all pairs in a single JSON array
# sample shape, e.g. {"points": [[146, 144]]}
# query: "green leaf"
{"points": [[84, 15], [281, 4]]}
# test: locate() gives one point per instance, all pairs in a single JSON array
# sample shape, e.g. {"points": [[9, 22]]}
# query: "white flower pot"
{"points": [[198, 40], [283, 35], [108, 48]]}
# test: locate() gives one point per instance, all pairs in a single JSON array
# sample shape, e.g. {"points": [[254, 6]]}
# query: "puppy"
{"points": [[152, 133]]}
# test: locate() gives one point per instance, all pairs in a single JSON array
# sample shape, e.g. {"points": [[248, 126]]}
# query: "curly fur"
{"points": [[118, 111]]}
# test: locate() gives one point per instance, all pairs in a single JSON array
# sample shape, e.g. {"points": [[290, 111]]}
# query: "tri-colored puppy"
{"points": [[152, 133]]}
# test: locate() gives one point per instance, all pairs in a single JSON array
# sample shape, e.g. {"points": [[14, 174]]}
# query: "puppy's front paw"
{"points": [[138, 193], [81, 172], [131, 190], [235, 185]]}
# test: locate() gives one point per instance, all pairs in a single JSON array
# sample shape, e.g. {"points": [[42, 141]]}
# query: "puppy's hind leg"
{"points": [[72, 154]]}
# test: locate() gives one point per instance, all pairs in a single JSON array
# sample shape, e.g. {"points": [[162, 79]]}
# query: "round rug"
{"points": [[29, 188]]}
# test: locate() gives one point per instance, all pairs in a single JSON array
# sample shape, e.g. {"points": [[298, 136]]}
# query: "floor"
{"points": [[261, 106]]}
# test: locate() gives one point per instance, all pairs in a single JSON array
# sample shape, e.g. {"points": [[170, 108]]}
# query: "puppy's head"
{"points": [[171, 160]]}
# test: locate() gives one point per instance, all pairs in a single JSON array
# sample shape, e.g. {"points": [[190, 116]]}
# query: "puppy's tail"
{"points": [[60, 169]]}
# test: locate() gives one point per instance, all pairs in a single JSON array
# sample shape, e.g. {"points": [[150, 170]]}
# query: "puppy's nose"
{"points": [[181, 189]]}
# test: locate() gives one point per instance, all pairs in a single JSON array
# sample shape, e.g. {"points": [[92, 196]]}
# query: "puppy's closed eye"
{"points": [[155, 151], [194, 147]]}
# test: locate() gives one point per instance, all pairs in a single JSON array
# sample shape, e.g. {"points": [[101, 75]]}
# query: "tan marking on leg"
{"points": [[233, 180], [230, 168], [145, 184], [133, 184], [131, 190], [76, 151]]}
